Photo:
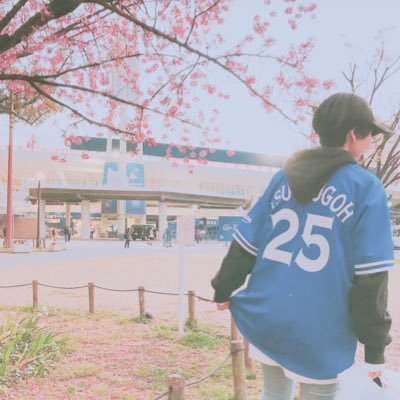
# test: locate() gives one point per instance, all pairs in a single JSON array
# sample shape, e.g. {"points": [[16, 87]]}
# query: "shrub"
{"points": [[26, 349]]}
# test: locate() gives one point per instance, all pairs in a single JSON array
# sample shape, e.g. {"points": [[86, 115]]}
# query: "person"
{"points": [[127, 237], [150, 237], [53, 235], [5, 236], [197, 236], [67, 234], [167, 238], [318, 248]]}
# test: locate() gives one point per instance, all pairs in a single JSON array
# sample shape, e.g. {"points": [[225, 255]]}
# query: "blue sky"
{"points": [[342, 30]]}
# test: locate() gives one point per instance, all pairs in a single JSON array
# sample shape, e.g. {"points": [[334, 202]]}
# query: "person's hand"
{"points": [[374, 374], [223, 306], [375, 370]]}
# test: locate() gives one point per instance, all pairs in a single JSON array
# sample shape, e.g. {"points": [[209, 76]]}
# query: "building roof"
{"points": [[59, 195], [183, 151]]}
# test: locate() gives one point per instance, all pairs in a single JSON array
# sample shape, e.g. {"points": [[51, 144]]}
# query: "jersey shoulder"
{"points": [[358, 177]]}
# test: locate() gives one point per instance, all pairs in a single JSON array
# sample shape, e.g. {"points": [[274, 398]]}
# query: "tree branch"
{"points": [[260, 55], [33, 81], [53, 10], [192, 50], [76, 112], [11, 14], [67, 71], [197, 16], [111, 97]]}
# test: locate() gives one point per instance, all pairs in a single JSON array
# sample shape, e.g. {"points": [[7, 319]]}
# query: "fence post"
{"points": [[248, 362], [239, 374], [35, 295], [192, 302], [234, 330], [176, 386], [91, 297], [142, 308]]}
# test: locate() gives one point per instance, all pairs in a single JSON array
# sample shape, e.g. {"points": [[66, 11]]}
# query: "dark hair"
{"points": [[339, 114]]}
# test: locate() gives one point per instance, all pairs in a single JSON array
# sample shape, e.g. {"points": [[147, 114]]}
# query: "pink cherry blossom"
{"points": [[164, 59]]}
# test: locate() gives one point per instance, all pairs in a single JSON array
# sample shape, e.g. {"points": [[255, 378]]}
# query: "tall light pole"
{"points": [[9, 223], [38, 216], [39, 176]]}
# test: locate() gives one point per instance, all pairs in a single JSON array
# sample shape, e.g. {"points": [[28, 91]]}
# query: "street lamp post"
{"points": [[39, 176], [38, 244], [9, 222]]}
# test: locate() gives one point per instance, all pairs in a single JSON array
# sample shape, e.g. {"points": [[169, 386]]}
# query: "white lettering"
{"points": [[319, 194], [346, 210], [326, 198], [342, 198], [286, 196]]}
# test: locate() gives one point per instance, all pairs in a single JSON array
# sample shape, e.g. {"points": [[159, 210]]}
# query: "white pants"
{"points": [[279, 387]]}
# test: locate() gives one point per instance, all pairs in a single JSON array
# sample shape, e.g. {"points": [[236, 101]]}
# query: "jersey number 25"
{"points": [[272, 251]]}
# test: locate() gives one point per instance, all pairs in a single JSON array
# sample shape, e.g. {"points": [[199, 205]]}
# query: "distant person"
{"points": [[4, 237], [167, 238], [318, 248], [197, 236], [53, 235], [67, 234], [127, 237], [150, 236]]}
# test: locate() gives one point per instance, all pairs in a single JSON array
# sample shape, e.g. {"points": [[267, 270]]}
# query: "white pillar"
{"points": [[85, 219], [195, 210], [109, 145], [42, 220], [162, 218], [123, 180], [68, 214], [121, 208]]}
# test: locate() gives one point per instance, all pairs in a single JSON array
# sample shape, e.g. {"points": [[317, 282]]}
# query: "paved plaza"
{"points": [[108, 264]]}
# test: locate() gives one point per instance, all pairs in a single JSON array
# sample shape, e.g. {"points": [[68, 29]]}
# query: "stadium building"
{"points": [[101, 186]]}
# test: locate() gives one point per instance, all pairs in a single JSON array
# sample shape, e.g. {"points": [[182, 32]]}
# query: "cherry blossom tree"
{"points": [[31, 110], [168, 54]]}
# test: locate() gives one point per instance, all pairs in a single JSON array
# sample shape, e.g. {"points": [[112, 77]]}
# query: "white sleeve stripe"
{"points": [[376, 267], [372, 264], [245, 241], [373, 271], [242, 244]]}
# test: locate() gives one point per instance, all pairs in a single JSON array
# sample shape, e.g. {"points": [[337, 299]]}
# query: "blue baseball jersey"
{"points": [[295, 306]]}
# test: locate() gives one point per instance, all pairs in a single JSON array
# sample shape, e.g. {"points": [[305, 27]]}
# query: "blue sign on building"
{"points": [[135, 207], [226, 227], [135, 174], [109, 206]]}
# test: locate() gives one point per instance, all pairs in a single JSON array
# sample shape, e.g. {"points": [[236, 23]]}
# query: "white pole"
{"points": [[182, 278]]}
